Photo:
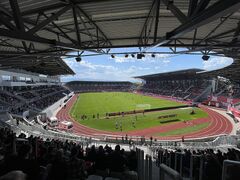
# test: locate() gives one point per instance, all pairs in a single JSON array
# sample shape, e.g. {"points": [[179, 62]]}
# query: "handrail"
{"points": [[171, 173]]}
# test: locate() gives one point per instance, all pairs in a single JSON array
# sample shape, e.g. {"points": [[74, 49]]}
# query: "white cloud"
{"points": [[113, 71], [86, 70], [217, 63]]}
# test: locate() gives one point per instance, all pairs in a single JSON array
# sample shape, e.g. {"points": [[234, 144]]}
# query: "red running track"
{"points": [[218, 125]]}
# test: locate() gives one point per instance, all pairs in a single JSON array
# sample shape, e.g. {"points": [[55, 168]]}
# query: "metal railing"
{"points": [[144, 165], [177, 161]]}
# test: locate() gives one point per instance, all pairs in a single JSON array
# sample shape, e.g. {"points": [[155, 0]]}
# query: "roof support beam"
{"points": [[222, 34], [30, 22], [145, 25], [201, 6], [56, 6], [236, 38], [6, 23], [156, 21], [177, 12], [236, 34], [63, 33], [217, 10], [214, 29], [31, 38], [192, 7], [76, 25], [94, 24], [49, 20], [34, 55], [18, 19], [17, 15], [85, 26], [24, 36]]}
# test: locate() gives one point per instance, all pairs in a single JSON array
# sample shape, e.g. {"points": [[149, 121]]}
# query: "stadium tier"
{"points": [[179, 125], [186, 85], [156, 116], [145, 117], [98, 86]]}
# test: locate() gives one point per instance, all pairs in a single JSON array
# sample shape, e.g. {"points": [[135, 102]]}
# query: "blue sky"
{"points": [[105, 68]]}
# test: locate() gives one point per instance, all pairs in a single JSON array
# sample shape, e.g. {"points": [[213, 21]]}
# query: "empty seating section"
{"points": [[18, 99], [92, 86], [184, 89]]}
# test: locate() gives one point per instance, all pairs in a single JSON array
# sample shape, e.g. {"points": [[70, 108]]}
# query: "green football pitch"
{"points": [[90, 104]]}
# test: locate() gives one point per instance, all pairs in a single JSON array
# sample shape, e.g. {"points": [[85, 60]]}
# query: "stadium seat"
{"points": [[94, 177], [111, 178]]}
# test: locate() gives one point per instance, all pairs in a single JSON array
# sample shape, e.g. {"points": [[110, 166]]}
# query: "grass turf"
{"points": [[185, 130], [93, 103]]}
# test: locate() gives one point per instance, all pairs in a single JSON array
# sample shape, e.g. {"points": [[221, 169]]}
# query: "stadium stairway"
{"points": [[204, 95]]}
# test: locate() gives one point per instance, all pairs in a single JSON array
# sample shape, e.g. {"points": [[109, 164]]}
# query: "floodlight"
{"points": [[139, 56], [78, 59], [205, 57]]}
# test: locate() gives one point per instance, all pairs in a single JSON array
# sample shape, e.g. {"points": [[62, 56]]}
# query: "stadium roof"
{"points": [[49, 29], [182, 74], [231, 72]]}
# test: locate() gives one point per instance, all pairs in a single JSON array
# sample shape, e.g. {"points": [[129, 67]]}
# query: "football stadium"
{"points": [[89, 90]]}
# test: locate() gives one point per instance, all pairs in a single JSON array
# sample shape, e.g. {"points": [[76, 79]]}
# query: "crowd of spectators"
{"points": [[57, 160], [212, 162]]}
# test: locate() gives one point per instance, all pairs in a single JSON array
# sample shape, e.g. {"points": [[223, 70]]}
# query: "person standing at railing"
{"points": [[183, 139]]}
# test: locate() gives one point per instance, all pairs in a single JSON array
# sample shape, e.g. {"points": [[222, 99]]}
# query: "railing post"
{"points": [[150, 168], [160, 157], [191, 167], [201, 169], [199, 165], [146, 167], [178, 162], [138, 163], [142, 163], [181, 165], [175, 161]]}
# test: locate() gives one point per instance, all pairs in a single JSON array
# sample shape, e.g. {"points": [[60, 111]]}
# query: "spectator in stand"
{"points": [[117, 156], [56, 160], [101, 159], [76, 169]]}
